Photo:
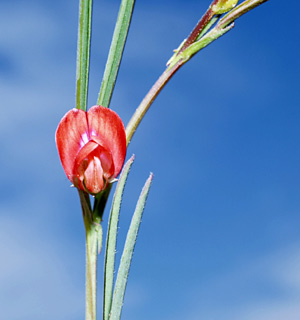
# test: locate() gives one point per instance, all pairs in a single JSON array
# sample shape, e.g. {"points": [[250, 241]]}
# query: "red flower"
{"points": [[91, 147]]}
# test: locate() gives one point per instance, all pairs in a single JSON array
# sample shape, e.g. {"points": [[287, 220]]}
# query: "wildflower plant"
{"points": [[92, 143]]}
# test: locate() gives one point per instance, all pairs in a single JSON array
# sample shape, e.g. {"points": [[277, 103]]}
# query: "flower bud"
{"points": [[223, 6]]}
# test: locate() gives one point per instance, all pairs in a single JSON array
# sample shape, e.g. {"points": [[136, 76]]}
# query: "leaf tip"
{"points": [[147, 184]]}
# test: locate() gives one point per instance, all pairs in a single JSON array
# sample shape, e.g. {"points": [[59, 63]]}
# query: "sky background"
{"points": [[220, 236]]}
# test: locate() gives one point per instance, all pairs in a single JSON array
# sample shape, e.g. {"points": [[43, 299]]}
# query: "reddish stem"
{"points": [[202, 23], [149, 98]]}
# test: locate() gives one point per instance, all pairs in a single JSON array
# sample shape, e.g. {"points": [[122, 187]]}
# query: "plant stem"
{"points": [[185, 53], [91, 272], [208, 15], [148, 100], [92, 231]]}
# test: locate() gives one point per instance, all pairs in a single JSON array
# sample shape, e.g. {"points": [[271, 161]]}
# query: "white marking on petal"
{"points": [[84, 139], [93, 133]]}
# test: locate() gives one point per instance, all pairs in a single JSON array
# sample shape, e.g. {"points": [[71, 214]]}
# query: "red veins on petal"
{"points": [[92, 147]]}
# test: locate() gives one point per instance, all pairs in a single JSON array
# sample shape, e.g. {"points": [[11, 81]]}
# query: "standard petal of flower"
{"points": [[71, 135], [107, 128]]}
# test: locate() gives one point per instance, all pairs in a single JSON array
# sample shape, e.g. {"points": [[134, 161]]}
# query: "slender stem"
{"points": [[185, 53], [91, 273], [162, 81], [208, 26], [203, 22], [149, 98], [92, 231]]}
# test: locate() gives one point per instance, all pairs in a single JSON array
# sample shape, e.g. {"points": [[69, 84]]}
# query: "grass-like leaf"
{"points": [[115, 52], [112, 239], [126, 258], [83, 53]]}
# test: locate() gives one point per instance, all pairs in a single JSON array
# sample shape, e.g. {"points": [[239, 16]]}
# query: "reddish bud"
{"points": [[91, 147]]}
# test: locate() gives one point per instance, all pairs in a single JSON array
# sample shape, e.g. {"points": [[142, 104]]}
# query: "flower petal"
{"points": [[81, 162], [71, 135], [93, 176], [106, 128]]}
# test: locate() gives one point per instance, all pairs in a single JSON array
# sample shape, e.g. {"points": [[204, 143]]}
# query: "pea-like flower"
{"points": [[91, 147]]}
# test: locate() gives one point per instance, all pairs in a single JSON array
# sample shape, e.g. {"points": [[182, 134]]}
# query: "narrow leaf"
{"points": [[112, 239], [126, 258], [115, 52], [195, 47], [83, 53], [99, 238]]}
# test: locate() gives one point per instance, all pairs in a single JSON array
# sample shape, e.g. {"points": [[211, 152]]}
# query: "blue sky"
{"points": [[220, 235]]}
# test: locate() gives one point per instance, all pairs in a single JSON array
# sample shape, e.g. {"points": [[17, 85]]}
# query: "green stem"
{"points": [[83, 53], [93, 233], [91, 272]]}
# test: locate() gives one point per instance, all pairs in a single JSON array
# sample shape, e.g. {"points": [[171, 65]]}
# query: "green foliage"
{"points": [[122, 276], [115, 52], [83, 53]]}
